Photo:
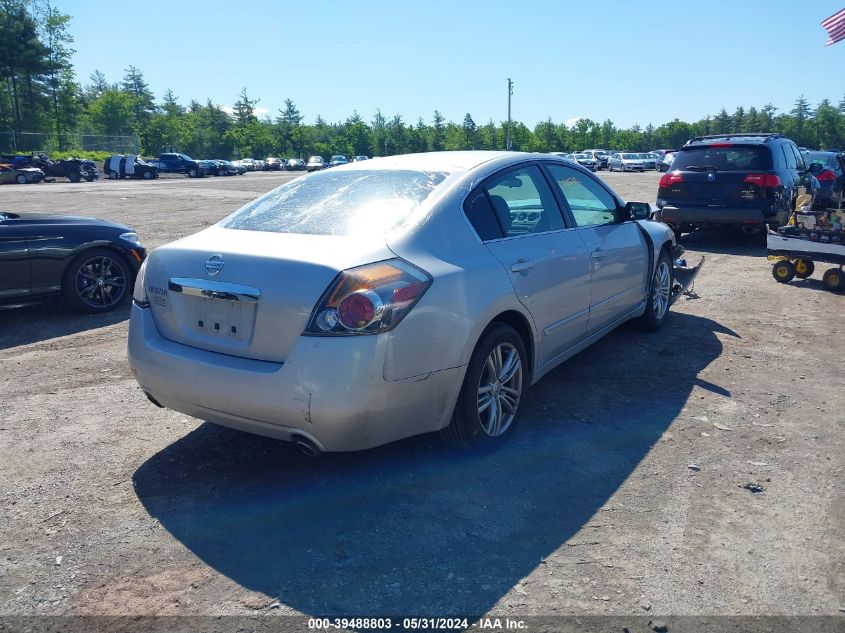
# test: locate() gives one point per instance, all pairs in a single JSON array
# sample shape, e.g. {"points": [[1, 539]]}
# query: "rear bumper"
{"points": [[706, 216], [331, 390]]}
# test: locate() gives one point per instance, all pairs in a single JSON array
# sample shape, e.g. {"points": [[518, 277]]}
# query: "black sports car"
{"points": [[92, 263]]}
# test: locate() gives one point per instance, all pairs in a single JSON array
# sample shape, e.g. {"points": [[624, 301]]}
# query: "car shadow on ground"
{"points": [[725, 241], [50, 319], [415, 527]]}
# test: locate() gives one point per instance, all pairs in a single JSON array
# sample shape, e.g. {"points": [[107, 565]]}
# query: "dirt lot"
{"points": [[112, 506]]}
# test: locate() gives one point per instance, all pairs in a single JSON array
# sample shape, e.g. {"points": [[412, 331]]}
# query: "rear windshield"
{"points": [[338, 203], [732, 158]]}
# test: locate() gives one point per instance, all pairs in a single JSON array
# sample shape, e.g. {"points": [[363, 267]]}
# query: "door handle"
{"points": [[522, 265], [598, 253]]}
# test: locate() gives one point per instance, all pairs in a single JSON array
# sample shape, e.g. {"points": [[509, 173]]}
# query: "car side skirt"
{"points": [[586, 342]]}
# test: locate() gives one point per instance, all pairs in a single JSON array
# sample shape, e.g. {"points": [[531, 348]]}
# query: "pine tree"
{"points": [[470, 131], [437, 135], [143, 104], [244, 109]]}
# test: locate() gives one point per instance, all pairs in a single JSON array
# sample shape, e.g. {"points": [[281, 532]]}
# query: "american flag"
{"points": [[835, 27]]}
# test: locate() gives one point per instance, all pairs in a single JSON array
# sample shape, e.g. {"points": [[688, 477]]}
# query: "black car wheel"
{"points": [[192, 173], [148, 175], [113, 175], [97, 280], [20, 179], [74, 176]]}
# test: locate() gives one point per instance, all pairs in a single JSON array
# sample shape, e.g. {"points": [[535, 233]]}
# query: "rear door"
{"points": [[546, 260], [619, 255]]}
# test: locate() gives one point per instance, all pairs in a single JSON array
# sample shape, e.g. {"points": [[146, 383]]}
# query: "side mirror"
{"points": [[638, 210]]}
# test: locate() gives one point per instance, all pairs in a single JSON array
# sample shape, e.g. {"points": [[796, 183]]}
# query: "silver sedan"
{"points": [[391, 297]]}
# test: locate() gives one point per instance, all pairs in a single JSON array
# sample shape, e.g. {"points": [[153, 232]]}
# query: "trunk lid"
{"points": [[247, 293]]}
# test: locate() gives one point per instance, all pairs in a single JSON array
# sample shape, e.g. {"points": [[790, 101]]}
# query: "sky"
{"points": [[629, 61]]}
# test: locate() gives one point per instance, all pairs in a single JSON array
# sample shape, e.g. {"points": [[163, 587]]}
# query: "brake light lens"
{"points": [[139, 292], [670, 178], [369, 299], [763, 180], [826, 176]]}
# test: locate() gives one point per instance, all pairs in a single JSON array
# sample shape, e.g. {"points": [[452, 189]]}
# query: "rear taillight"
{"points": [[368, 299], [670, 178], [139, 292], [763, 180], [826, 176]]}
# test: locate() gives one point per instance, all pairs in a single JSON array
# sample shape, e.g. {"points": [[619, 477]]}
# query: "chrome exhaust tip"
{"points": [[306, 446]]}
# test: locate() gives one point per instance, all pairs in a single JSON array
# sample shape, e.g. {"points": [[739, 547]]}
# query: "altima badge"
{"points": [[214, 265]]}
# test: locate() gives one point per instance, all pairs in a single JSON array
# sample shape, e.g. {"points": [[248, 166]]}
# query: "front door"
{"points": [[617, 248]]}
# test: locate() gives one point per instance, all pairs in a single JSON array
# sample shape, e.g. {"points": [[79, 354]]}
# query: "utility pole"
{"points": [[510, 93]]}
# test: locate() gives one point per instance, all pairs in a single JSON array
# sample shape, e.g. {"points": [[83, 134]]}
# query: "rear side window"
{"points": [[523, 202], [481, 215], [789, 157], [730, 158], [338, 203]]}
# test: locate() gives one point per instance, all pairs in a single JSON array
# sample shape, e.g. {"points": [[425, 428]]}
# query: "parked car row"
{"points": [[74, 169]]}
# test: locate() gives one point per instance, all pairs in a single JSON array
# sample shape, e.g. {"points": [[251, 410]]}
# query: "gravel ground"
{"points": [[622, 492]]}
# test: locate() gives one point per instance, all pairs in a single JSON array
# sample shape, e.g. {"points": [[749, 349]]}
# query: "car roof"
{"points": [[743, 137], [453, 162]]}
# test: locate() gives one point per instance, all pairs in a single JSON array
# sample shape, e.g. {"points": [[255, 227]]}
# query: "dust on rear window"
{"points": [[361, 202], [734, 158]]}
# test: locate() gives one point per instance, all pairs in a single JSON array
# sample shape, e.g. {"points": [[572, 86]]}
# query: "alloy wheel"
{"points": [[101, 282], [499, 389], [662, 290]]}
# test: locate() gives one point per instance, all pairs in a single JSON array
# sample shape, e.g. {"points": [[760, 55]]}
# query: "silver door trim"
{"points": [[558, 324]]}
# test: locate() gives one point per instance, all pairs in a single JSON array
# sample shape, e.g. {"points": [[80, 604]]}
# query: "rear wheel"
{"points": [[804, 268], [657, 307], [74, 176], [113, 175], [783, 271], [97, 280], [493, 394], [192, 172], [148, 175], [834, 279], [20, 179]]}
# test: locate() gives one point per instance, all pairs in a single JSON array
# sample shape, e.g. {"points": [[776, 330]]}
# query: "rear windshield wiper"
{"points": [[701, 167]]}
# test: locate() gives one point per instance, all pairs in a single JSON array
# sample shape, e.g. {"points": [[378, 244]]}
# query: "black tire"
{"points": [[20, 179], [834, 279], [804, 268], [148, 175], [471, 428], [783, 271], [657, 304], [80, 285], [74, 176], [192, 172], [113, 175]]}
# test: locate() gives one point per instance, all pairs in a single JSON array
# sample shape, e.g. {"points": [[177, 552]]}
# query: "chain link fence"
{"points": [[26, 142]]}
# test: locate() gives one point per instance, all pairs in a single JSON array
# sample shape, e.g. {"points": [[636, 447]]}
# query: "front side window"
{"points": [[338, 203], [591, 204]]}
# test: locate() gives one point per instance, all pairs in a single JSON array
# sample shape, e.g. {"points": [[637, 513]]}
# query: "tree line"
{"points": [[39, 92]]}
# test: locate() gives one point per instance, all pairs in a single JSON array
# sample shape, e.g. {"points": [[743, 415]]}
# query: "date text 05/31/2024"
{"points": [[413, 624]]}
